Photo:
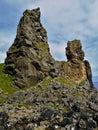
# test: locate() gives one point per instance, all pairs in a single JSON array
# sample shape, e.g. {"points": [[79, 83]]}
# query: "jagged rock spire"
{"points": [[29, 59]]}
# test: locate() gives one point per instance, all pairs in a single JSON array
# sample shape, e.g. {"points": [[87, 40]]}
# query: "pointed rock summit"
{"points": [[29, 60]]}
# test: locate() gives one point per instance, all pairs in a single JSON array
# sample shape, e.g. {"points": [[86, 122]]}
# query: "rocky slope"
{"points": [[53, 104]]}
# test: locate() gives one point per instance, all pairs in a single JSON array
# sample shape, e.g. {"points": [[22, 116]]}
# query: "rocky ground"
{"points": [[51, 105]]}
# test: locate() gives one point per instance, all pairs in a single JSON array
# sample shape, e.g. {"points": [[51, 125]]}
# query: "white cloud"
{"points": [[72, 19], [21, 5], [5, 42], [91, 54], [2, 56], [58, 50], [19, 2]]}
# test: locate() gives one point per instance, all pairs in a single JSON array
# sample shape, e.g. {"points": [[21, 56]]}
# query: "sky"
{"points": [[64, 20]]}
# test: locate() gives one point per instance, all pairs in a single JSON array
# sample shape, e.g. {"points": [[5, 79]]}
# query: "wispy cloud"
{"points": [[6, 39], [72, 19], [58, 50], [2, 56]]}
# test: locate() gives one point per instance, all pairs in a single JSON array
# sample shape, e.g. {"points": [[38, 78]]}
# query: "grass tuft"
{"points": [[63, 80]]}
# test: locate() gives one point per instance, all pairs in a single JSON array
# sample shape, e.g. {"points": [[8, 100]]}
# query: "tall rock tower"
{"points": [[29, 59], [76, 68]]}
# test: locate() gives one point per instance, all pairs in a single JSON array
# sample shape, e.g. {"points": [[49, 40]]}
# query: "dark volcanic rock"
{"points": [[74, 51], [29, 59], [38, 108]]}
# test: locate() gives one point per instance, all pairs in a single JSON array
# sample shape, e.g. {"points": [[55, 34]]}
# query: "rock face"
{"points": [[29, 60], [76, 69]]}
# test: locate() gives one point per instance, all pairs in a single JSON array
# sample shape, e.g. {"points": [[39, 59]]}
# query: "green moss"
{"points": [[46, 81], [43, 47], [27, 106], [6, 83], [38, 89], [2, 99], [63, 80], [79, 94], [82, 83], [66, 109]]}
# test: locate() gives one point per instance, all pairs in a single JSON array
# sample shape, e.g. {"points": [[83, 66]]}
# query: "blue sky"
{"points": [[63, 19]]}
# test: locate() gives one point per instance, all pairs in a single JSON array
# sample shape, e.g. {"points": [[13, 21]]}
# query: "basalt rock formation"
{"points": [[29, 60], [76, 68]]}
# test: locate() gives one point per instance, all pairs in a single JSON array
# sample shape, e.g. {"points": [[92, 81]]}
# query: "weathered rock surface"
{"points": [[51, 105], [76, 69], [29, 59]]}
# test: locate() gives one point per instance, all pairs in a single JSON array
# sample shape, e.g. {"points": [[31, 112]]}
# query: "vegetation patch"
{"points": [[7, 86], [82, 83], [46, 81], [63, 80], [79, 94], [66, 109]]}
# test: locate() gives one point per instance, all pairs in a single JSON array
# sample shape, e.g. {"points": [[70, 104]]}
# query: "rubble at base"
{"points": [[51, 105]]}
